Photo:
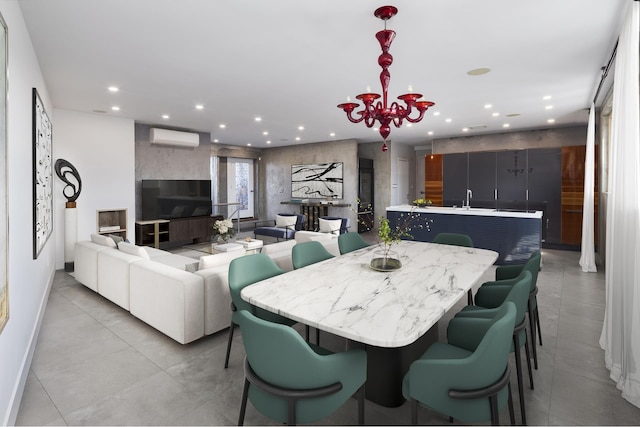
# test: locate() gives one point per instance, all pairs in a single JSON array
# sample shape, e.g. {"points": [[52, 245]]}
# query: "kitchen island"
{"points": [[513, 234]]}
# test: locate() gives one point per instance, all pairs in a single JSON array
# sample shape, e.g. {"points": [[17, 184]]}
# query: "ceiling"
{"points": [[290, 62]]}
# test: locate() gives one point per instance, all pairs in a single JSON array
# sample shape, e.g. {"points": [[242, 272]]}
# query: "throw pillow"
{"points": [[210, 261], [133, 250], [116, 239], [286, 221], [103, 240], [330, 225]]}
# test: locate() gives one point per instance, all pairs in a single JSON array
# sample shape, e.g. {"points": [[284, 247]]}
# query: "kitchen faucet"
{"points": [[469, 196]]}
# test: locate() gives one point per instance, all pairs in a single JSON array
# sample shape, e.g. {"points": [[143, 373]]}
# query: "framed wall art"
{"points": [[42, 176], [4, 213], [317, 181]]}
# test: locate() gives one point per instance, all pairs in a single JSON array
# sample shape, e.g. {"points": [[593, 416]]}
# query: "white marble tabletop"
{"points": [[345, 297]]}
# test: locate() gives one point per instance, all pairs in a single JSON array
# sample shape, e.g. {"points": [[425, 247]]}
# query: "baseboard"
{"points": [[16, 398]]}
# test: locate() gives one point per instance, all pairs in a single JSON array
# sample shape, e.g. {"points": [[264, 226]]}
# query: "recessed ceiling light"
{"points": [[265, 133], [448, 120], [551, 121], [546, 97], [268, 142], [248, 144], [496, 114], [549, 107], [113, 89], [115, 108], [430, 132], [258, 119], [487, 106], [165, 116], [297, 138], [506, 125], [332, 134], [216, 140], [465, 129], [300, 127], [199, 107], [222, 126], [436, 113], [409, 125], [478, 71]]}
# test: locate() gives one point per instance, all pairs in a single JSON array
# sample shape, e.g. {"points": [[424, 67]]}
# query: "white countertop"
{"points": [[345, 297], [465, 211]]}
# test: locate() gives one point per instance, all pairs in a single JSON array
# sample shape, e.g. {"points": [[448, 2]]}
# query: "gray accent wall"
{"points": [[274, 175]]}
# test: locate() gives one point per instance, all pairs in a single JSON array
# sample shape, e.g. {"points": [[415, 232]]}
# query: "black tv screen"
{"points": [[175, 198]]}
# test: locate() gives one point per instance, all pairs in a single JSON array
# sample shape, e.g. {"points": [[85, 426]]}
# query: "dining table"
{"points": [[393, 314]]}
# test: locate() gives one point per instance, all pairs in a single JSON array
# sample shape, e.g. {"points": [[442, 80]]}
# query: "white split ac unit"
{"points": [[173, 138]]}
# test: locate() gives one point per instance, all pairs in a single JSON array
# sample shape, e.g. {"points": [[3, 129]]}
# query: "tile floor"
{"points": [[95, 364]]}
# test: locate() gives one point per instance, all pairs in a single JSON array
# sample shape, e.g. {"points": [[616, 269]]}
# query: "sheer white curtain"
{"points": [[621, 330], [588, 255]]}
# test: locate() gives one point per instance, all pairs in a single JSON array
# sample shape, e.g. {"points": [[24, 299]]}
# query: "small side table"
{"points": [[252, 246]]}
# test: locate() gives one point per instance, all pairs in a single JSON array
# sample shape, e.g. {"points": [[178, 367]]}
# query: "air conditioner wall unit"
{"points": [[174, 138]]}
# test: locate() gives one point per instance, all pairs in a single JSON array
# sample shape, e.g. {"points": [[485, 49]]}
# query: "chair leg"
{"points": [[512, 416], [538, 323], [361, 406], [226, 359], [516, 346], [532, 327], [306, 332], [243, 403], [469, 297], [526, 350], [493, 403], [414, 412], [317, 336]]}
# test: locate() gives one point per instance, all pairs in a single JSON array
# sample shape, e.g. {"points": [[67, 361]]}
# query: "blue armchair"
{"points": [[286, 232]]}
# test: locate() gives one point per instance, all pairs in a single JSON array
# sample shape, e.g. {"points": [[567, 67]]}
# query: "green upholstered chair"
{"points": [[467, 378], [489, 299], [244, 271], [456, 239], [307, 253], [349, 242], [508, 274], [291, 381]]}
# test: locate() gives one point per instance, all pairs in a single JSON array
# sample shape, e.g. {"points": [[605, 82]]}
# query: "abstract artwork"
{"points": [[316, 181], [4, 216], [42, 176]]}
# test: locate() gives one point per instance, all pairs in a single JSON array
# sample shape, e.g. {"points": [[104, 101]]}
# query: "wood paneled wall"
{"points": [[433, 178], [573, 159]]}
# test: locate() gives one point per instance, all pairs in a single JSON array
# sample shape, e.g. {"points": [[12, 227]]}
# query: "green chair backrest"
{"points": [[453, 239], [533, 266], [519, 295], [280, 356], [307, 253], [349, 242], [246, 270]]}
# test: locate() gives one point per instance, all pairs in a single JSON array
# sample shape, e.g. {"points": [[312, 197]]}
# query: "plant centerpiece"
{"points": [[421, 202], [223, 229]]}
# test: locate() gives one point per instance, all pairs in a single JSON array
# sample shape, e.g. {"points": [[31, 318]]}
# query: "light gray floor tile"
{"points": [[95, 364]]}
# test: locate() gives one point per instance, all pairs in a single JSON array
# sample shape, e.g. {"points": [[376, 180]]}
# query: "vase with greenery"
{"points": [[223, 230]]}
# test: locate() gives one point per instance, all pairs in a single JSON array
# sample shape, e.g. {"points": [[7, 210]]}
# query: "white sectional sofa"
{"points": [[158, 288]]}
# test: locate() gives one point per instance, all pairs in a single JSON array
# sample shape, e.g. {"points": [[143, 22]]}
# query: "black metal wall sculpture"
{"points": [[70, 176]]}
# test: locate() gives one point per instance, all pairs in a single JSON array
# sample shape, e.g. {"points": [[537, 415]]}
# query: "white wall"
{"points": [[102, 149], [29, 280]]}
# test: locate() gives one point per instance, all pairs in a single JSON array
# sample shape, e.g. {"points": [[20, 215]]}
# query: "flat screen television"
{"points": [[175, 198]]}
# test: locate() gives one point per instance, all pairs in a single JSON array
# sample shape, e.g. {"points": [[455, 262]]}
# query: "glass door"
{"points": [[240, 187]]}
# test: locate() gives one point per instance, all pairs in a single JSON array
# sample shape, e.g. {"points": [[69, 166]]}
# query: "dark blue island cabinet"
{"points": [[513, 234]]}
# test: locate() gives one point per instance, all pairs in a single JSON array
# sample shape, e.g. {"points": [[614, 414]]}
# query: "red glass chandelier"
{"points": [[380, 111]]}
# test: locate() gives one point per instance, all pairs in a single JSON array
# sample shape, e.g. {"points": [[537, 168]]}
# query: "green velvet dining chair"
{"points": [[244, 271], [291, 381], [307, 253], [349, 242], [456, 239], [466, 378], [508, 274], [489, 300]]}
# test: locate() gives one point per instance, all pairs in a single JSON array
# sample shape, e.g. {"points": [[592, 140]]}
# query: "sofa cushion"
{"points": [[209, 261], [173, 260], [132, 249], [103, 240], [286, 221], [330, 225]]}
